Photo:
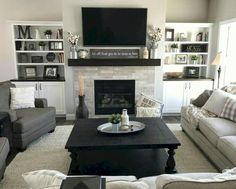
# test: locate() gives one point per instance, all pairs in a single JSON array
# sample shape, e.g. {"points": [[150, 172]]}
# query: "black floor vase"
{"points": [[82, 110]]}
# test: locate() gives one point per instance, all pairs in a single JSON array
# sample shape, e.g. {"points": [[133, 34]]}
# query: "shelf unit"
{"points": [[26, 45], [187, 34], [27, 54]]}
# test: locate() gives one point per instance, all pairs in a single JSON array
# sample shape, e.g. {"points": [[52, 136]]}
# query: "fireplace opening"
{"points": [[111, 96]]}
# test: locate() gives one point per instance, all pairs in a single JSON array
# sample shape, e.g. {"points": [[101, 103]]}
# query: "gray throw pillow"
{"points": [[202, 98]]}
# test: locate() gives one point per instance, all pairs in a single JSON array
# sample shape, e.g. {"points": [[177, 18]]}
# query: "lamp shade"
{"points": [[217, 59]]}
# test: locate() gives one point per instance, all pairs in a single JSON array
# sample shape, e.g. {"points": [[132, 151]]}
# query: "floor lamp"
{"points": [[217, 62]]}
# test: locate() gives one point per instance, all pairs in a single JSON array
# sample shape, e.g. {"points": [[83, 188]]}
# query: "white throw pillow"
{"points": [[216, 102], [44, 179], [126, 185], [22, 98]]}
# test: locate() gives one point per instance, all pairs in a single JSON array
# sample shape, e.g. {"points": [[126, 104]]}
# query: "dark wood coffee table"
{"points": [[140, 154]]}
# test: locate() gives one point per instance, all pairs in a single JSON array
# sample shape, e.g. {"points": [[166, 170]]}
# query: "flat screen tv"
{"points": [[114, 26]]}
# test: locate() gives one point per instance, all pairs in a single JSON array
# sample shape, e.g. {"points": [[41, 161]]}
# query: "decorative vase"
{"points": [[37, 34], [154, 50], [124, 117], [48, 36], [115, 127], [41, 48], [73, 52], [82, 109]]}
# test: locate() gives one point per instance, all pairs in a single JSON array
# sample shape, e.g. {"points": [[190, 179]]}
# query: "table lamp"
{"points": [[217, 62]]}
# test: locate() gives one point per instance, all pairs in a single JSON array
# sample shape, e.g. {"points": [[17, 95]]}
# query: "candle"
{"points": [[81, 85]]}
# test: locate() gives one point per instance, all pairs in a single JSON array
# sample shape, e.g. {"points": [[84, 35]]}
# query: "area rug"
{"points": [[48, 153]]}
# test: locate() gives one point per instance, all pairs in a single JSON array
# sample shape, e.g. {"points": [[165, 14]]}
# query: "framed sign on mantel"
{"points": [[114, 53]]}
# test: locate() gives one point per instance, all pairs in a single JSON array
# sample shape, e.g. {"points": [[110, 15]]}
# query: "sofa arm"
{"points": [[12, 114], [41, 103]]}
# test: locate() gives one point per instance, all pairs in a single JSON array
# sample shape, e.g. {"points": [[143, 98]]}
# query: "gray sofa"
{"points": [[4, 150], [27, 124], [215, 136]]}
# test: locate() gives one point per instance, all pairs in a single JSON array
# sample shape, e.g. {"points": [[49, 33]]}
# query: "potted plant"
{"points": [[48, 34], [73, 41], [154, 35], [115, 120], [174, 47], [194, 59], [42, 45]]}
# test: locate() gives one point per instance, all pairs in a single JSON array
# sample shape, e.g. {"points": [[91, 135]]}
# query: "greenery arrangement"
{"points": [[41, 43], [72, 38], [154, 34], [115, 118], [48, 32], [174, 46], [194, 57]]}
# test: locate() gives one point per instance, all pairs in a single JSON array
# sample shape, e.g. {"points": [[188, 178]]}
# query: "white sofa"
{"points": [[215, 136]]}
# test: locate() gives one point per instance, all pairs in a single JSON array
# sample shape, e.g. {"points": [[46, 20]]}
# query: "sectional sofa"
{"points": [[214, 135]]}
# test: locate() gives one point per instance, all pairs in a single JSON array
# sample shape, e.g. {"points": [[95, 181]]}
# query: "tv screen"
{"points": [[114, 26]]}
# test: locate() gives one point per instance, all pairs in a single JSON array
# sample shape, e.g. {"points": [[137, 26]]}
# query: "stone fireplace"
{"points": [[143, 76]]}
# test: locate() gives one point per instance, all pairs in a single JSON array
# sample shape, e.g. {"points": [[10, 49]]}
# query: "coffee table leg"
{"points": [[74, 168], [170, 164]]}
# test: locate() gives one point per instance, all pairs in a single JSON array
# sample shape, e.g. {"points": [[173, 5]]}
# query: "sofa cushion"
{"points": [[229, 111], [214, 128], [5, 95], [227, 146], [126, 185], [31, 118], [216, 102], [120, 178], [22, 97], [202, 98], [4, 150]]}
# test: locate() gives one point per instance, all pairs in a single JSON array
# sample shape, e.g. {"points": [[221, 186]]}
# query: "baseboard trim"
{"points": [[70, 116]]}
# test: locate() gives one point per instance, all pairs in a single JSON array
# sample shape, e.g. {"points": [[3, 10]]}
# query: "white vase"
{"points": [[37, 34], [124, 118], [154, 50], [115, 127]]}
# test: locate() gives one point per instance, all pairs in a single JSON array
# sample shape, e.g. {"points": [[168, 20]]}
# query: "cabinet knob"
{"points": [[36, 86]]}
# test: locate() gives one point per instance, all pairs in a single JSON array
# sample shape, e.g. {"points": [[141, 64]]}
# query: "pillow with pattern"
{"points": [[229, 110]]}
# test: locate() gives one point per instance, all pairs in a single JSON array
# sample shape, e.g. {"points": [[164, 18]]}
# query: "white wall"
{"points": [[72, 22], [27, 10], [187, 10], [219, 10]]}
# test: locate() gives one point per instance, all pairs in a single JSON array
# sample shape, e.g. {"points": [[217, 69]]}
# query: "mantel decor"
{"points": [[73, 40], [154, 35], [114, 53]]}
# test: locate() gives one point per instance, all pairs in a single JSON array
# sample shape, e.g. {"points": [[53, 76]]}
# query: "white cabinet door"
{"points": [[173, 96], [54, 92], [197, 87], [29, 84]]}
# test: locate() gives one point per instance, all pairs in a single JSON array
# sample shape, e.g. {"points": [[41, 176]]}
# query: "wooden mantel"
{"points": [[114, 62]]}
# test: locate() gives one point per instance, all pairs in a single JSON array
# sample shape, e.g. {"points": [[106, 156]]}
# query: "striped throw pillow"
{"points": [[229, 110]]}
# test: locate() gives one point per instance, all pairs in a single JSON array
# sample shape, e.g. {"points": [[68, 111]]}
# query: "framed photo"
{"points": [[37, 59], [182, 37], [169, 34], [23, 58], [30, 72], [192, 72], [55, 45], [181, 59], [50, 71]]}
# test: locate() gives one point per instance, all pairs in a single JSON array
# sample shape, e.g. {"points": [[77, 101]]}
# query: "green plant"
{"points": [[48, 32], [194, 57], [41, 43], [115, 118], [174, 46]]}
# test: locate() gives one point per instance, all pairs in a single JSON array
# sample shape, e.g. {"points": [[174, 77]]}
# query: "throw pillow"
{"points": [[229, 111], [126, 185], [202, 98], [44, 179], [145, 101], [22, 98], [216, 102]]}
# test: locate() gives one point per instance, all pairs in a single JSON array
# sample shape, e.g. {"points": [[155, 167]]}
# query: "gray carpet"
{"points": [[48, 153]]}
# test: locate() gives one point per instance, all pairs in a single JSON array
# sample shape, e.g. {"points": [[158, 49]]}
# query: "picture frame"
{"points": [[182, 37], [181, 58], [192, 72], [23, 58], [30, 71], [55, 45], [169, 34], [50, 72], [37, 59]]}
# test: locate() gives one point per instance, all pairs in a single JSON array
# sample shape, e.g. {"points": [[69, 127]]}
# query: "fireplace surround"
{"points": [[111, 96]]}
